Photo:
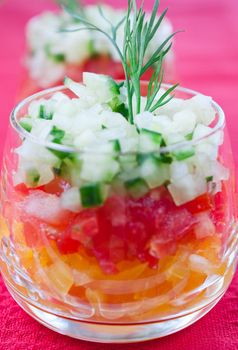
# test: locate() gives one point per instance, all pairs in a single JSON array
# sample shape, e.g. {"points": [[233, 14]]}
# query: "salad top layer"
{"points": [[110, 153], [51, 50]]}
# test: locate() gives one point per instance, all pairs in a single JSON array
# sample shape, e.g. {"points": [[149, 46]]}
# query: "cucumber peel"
{"points": [[137, 187], [91, 195]]}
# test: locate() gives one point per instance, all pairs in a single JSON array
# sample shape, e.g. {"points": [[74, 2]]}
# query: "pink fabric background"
{"points": [[207, 60]]}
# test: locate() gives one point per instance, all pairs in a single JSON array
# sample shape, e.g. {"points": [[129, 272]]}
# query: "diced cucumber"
{"points": [[154, 172], [165, 158], [128, 162], [32, 152], [183, 154], [32, 177], [187, 188], [118, 106], [106, 90], [141, 157], [174, 138], [184, 121], [160, 158], [43, 114], [58, 57], [71, 169], [99, 167], [59, 154], [149, 140], [129, 144], [202, 106], [189, 136], [103, 85], [208, 150], [136, 187], [91, 48], [156, 137], [26, 123], [78, 89], [178, 170], [209, 178], [58, 134], [116, 145], [91, 195], [55, 57]]}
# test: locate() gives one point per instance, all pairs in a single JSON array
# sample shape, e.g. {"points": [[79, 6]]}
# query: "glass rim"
{"points": [[220, 124]]}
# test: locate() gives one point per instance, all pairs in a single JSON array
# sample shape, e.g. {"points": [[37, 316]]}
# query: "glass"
{"points": [[90, 274], [51, 55]]}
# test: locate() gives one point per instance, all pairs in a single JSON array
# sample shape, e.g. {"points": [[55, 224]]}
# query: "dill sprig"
{"points": [[139, 31]]}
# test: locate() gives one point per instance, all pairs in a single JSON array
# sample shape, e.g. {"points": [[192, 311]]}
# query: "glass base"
{"points": [[108, 333]]}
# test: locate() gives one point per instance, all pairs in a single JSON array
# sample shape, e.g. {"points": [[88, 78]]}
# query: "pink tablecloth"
{"points": [[207, 56]]}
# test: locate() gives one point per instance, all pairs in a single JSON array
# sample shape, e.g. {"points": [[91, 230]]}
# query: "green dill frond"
{"points": [[139, 31]]}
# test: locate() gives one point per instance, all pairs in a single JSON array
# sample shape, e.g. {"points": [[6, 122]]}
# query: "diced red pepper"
{"points": [[200, 204]]}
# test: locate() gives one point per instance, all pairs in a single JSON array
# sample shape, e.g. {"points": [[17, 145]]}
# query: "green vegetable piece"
{"points": [[209, 178], [91, 195], [57, 134], [32, 177], [116, 145], [141, 157], [121, 108], [128, 161], [163, 143], [164, 158], [60, 154], [156, 137], [91, 49], [137, 187], [184, 154], [26, 125], [159, 158], [43, 114], [116, 104], [58, 57], [189, 137]]}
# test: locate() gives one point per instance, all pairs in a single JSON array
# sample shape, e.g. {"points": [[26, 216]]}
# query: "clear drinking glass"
{"points": [[90, 274]]}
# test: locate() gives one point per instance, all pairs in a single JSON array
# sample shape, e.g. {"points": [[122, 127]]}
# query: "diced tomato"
{"points": [[220, 213], [56, 186], [200, 204], [174, 225], [146, 228], [22, 188], [84, 227], [67, 245]]}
